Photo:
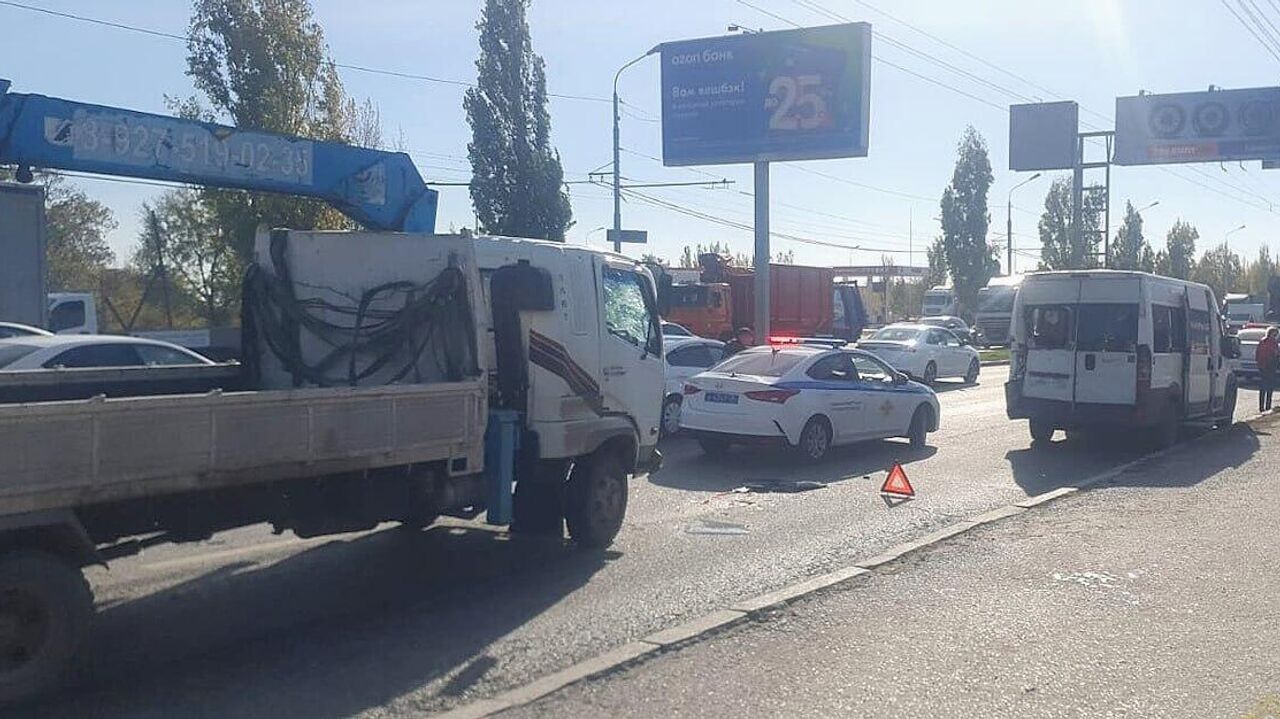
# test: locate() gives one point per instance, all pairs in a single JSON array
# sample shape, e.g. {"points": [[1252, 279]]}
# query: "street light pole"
{"points": [[1008, 227], [1230, 233], [617, 151]]}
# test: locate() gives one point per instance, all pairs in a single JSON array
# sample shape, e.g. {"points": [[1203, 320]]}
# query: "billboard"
{"points": [[1044, 136], [787, 95], [1198, 127]]}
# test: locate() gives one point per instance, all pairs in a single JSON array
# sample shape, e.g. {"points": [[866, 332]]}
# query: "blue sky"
{"points": [[1089, 51]]}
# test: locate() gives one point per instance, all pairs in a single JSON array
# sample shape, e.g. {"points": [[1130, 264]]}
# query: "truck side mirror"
{"points": [[899, 378]]}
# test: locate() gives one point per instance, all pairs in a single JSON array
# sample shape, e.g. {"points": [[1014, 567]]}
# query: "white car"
{"points": [[10, 330], [685, 357], [81, 351], [924, 352], [672, 330], [806, 397]]}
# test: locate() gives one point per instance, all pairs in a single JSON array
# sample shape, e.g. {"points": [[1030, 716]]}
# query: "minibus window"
{"points": [[1199, 332], [1161, 329], [1107, 328], [1049, 327]]}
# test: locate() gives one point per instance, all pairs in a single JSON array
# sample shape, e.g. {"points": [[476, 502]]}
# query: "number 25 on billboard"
{"points": [[796, 104]]}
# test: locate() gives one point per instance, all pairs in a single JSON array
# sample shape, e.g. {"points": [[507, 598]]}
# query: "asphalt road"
{"points": [[1150, 596], [395, 623]]}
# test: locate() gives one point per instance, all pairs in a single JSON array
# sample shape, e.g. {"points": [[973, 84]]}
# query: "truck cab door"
{"points": [[848, 314], [631, 366]]}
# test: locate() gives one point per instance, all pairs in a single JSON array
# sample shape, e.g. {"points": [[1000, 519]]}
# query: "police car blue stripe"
{"points": [[908, 388]]}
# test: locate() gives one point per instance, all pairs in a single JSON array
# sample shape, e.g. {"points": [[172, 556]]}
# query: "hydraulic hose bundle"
{"points": [[394, 330]]}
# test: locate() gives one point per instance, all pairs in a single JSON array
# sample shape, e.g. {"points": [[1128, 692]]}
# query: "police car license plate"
{"points": [[722, 398]]}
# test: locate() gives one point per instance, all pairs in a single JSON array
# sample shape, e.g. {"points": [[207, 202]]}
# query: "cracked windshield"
{"points": [[565, 358]]}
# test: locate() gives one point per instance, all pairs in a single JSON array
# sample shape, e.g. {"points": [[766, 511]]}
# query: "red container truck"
{"points": [[804, 301]]}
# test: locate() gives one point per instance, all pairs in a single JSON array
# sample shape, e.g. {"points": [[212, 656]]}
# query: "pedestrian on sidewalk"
{"points": [[1268, 358]]}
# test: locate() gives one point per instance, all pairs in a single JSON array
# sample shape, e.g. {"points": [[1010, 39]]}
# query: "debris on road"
{"points": [[780, 486], [711, 526]]}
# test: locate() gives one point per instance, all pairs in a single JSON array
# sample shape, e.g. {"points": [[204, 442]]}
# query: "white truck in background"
{"points": [[940, 301], [995, 310], [1243, 309], [72, 313]]}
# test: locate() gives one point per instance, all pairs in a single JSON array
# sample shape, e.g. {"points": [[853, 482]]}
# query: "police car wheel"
{"points": [[930, 373], [671, 416], [971, 376], [919, 431], [815, 439]]}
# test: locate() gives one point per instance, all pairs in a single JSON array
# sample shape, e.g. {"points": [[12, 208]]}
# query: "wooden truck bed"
{"points": [[67, 454]]}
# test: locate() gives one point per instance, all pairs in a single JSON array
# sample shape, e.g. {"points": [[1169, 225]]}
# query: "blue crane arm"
{"points": [[380, 190]]}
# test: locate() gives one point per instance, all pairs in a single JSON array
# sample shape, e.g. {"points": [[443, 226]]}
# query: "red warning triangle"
{"points": [[897, 483]]}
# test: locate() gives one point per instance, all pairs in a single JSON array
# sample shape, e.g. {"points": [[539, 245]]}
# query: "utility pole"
{"points": [[1008, 219], [762, 252]]}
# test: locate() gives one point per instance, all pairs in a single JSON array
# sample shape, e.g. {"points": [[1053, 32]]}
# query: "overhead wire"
{"points": [[1252, 31], [813, 4], [343, 65]]}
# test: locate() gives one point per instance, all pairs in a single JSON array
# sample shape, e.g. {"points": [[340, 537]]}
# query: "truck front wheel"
{"points": [[46, 609], [596, 500]]}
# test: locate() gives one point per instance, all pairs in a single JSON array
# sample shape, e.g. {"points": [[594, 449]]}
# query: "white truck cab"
{"points": [[1121, 349], [73, 313], [940, 301]]}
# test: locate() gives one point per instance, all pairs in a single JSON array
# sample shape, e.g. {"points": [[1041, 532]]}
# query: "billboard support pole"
{"points": [[1077, 194], [762, 254], [1106, 224]]}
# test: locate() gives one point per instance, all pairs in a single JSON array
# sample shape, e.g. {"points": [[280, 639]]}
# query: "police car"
{"points": [[806, 397]]}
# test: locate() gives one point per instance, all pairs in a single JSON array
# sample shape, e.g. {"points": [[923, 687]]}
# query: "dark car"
{"points": [[958, 326]]}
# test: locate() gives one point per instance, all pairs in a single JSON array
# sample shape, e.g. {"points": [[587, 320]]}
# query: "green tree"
{"points": [[182, 234], [76, 228], [1221, 269], [1061, 248], [689, 255], [76, 235], [1161, 263], [937, 256], [965, 219], [1259, 272], [263, 64], [517, 184], [1180, 250], [1129, 249]]}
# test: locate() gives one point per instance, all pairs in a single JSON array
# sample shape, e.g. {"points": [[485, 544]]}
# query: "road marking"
{"points": [[718, 619]]}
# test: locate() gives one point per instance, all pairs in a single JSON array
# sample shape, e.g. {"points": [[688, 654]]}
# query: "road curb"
{"points": [[994, 363], [719, 619]]}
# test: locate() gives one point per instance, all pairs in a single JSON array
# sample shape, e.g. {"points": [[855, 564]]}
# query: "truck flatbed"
{"points": [[56, 455]]}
